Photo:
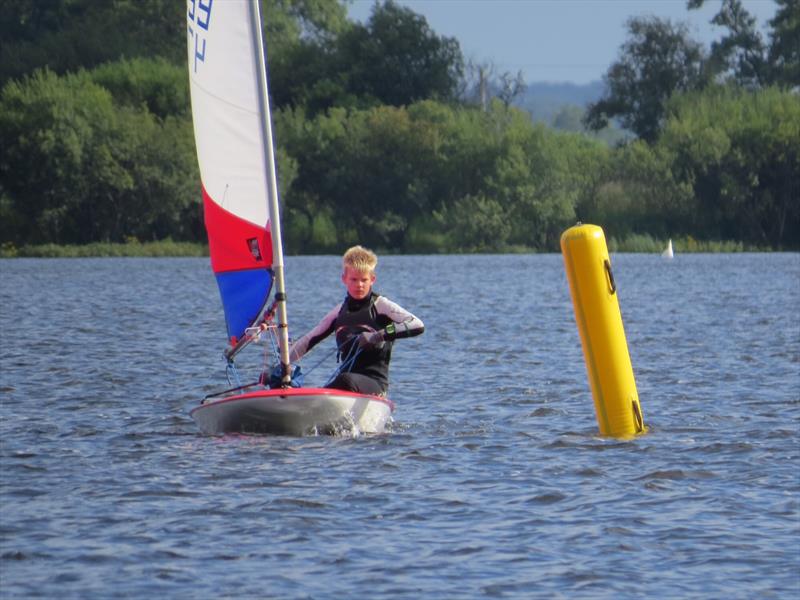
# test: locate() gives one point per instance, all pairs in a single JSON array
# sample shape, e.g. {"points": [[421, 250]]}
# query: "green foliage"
{"points": [[741, 51], [396, 40], [11, 220], [104, 249], [322, 233], [468, 179], [477, 224], [784, 51], [67, 35], [425, 236], [638, 192], [740, 152], [150, 83], [302, 70], [742, 56], [646, 244], [638, 243], [394, 59], [570, 118], [79, 168], [372, 146], [658, 60]]}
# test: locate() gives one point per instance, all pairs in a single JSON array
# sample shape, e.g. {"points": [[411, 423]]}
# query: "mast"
{"points": [[272, 191]]}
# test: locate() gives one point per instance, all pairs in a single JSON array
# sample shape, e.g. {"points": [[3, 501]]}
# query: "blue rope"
{"points": [[344, 367], [232, 374], [346, 364]]}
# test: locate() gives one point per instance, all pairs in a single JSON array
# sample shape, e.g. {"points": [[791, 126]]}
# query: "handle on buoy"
{"points": [[611, 283], [637, 416]]}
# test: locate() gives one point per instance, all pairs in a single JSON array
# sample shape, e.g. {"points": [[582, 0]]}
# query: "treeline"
{"points": [[381, 139]]}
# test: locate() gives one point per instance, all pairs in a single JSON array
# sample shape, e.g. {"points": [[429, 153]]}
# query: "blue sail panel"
{"points": [[244, 294]]}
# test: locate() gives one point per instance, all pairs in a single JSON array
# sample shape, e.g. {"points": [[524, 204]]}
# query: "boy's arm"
{"points": [[403, 325], [322, 330]]}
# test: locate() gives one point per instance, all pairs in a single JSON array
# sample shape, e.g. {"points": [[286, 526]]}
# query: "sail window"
{"points": [[254, 248]]}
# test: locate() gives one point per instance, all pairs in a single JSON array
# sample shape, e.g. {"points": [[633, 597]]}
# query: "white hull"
{"points": [[294, 411]]}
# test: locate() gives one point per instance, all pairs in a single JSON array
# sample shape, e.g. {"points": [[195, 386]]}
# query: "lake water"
{"points": [[491, 483]]}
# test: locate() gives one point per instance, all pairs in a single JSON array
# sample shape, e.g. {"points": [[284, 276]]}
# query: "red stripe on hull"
{"points": [[289, 392]]}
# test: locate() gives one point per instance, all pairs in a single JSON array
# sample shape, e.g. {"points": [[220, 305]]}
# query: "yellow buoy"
{"points": [[605, 350]]}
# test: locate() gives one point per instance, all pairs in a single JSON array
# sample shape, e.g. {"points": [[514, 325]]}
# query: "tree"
{"points": [[741, 52], [658, 59], [637, 192], [784, 50], [511, 87], [383, 165], [159, 86], [300, 35], [740, 152], [477, 81], [65, 35], [398, 60], [481, 83], [477, 224], [303, 19], [78, 168], [394, 59]]}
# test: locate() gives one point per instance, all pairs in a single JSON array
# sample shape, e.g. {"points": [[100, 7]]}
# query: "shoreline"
{"points": [[168, 248]]}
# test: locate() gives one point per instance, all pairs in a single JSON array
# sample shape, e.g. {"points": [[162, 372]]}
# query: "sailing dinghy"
{"points": [[233, 135]]}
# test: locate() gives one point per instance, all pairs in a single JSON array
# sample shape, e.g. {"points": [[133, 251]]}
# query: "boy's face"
{"points": [[358, 283]]}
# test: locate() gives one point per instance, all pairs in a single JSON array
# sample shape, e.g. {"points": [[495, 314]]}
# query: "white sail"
{"points": [[226, 108], [667, 253]]}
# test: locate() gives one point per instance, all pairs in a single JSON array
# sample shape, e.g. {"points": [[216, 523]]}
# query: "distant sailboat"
{"points": [[668, 252]]}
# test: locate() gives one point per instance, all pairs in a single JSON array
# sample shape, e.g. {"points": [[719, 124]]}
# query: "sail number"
{"points": [[199, 17]]}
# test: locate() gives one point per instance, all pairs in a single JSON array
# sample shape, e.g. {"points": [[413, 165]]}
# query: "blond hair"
{"points": [[360, 259]]}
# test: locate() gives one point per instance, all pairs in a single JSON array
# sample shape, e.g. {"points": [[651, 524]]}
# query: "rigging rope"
{"points": [[273, 349], [232, 374], [346, 364]]}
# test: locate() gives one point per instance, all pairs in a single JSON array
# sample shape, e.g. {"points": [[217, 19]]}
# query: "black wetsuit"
{"points": [[369, 373]]}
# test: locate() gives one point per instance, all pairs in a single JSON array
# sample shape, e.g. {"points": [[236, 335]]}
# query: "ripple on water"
{"points": [[492, 480]]}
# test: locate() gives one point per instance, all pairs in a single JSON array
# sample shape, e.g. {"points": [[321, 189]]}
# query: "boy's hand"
{"points": [[370, 339]]}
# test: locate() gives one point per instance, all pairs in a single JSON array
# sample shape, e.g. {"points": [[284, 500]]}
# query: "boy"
{"points": [[366, 323]]}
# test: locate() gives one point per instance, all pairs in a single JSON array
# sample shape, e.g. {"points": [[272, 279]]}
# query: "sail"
{"points": [[224, 51], [668, 253]]}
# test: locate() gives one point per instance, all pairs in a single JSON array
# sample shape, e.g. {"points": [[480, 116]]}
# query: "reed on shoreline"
{"points": [[161, 248], [646, 244], [637, 244]]}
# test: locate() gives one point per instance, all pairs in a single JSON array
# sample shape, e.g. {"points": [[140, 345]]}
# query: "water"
{"points": [[492, 483]]}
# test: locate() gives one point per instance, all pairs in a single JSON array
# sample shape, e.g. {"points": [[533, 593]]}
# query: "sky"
{"points": [[556, 40]]}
